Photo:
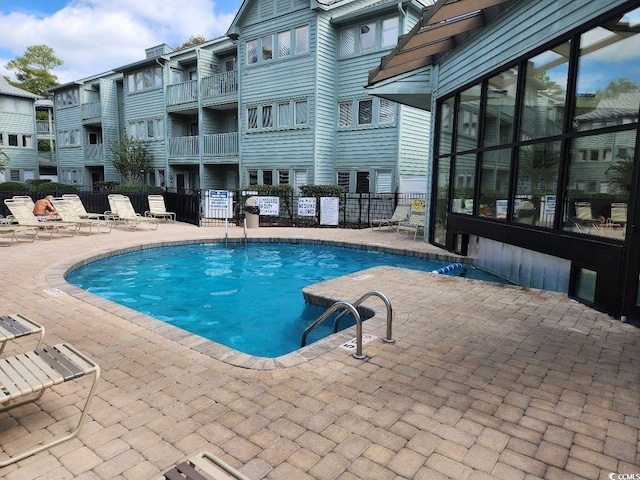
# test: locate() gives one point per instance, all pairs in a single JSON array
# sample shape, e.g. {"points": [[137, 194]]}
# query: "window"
{"points": [[267, 47], [344, 180], [284, 44], [387, 113], [144, 79], [383, 181], [67, 98], [347, 42], [1, 139], [390, 32], [284, 115], [267, 177], [302, 39], [27, 141], [267, 116], [500, 104], [299, 179], [253, 177], [283, 177], [300, 112], [14, 175], [365, 112], [13, 140], [252, 52], [252, 118], [346, 114], [367, 37], [362, 182], [147, 129]]}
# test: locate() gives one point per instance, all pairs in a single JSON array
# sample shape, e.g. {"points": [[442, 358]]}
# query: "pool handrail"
{"points": [[351, 308]]}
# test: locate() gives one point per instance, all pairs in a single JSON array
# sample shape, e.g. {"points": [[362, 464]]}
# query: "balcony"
{"points": [[92, 111], [215, 145], [42, 127], [220, 88], [94, 153], [181, 93], [220, 145]]}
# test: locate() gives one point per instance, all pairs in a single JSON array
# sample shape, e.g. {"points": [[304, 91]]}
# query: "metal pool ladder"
{"points": [[347, 307]]}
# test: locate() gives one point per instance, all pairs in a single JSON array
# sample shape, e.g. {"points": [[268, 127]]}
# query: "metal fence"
{"points": [[356, 210]]}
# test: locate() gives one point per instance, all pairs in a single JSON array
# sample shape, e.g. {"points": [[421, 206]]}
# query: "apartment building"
{"points": [[280, 99]]}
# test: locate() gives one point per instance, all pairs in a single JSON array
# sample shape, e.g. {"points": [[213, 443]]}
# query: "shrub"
{"points": [[13, 187], [321, 191], [130, 187], [55, 187]]}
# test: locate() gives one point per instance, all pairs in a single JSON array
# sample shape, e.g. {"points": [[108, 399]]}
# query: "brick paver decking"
{"points": [[483, 380]]}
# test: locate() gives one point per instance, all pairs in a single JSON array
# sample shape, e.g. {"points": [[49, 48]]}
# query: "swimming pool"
{"points": [[249, 299]]}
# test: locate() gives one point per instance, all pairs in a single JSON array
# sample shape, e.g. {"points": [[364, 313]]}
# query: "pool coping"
{"points": [[55, 277]]}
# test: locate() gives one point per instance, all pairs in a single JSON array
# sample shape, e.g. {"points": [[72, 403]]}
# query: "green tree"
{"points": [[193, 41], [131, 158], [33, 70], [618, 86], [620, 174]]}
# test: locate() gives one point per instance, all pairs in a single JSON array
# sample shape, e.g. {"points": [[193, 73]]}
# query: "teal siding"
{"points": [[23, 158], [415, 129], [509, 38], [110, 123]]}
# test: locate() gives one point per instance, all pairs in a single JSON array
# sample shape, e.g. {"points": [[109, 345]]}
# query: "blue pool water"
{"points": [[249, 299]]}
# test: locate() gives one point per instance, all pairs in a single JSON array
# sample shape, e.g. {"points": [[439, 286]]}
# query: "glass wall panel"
{"points": [[441, 200], [599, 183], [537, 183], [468, 111], [494, 183], [464, 175], [500, 108], [545, 93], [446, 126], [608, 84]]}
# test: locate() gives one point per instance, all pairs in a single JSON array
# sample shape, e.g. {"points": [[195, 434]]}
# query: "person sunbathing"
{"points": [[44, 208]]}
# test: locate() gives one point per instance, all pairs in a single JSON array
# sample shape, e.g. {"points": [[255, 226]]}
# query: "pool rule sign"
{"points": [[219, 204]]}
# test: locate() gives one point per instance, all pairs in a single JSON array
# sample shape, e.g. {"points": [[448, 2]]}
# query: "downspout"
{"points": [[166, 127], [200, 135], [403, 13]]}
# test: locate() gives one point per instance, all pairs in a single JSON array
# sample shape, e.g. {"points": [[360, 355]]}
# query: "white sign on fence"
{"points": [[219, 204], [307, 207], [269, 205], [329, 210]]}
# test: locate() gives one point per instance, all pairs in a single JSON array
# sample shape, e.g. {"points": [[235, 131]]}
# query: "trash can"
{"points": [[252, 212]]}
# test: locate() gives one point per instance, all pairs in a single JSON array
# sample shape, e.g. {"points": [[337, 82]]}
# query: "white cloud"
{"points": [[94, 36]]}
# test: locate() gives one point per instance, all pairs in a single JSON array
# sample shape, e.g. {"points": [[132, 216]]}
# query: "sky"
{"points": [[95, 36]]}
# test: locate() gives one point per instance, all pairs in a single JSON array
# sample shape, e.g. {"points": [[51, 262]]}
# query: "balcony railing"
{"points": [[215, 145], [91, 110], [94, 152], [220, 145], [42, 127], [220, 85], [184, 147], [185, 92]]}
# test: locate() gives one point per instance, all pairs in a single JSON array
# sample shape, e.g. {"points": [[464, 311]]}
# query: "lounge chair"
{"points": [[78, 207], [25, 218], [85, 225], [157, 209], [14, 326], [204, 466], [26, 376], [9, 232], [400, 214], [414, 224], [618, 214], [584, 217], [123, 212]]}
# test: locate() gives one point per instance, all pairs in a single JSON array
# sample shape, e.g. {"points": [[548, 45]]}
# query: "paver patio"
{"points": [[483, 381]]}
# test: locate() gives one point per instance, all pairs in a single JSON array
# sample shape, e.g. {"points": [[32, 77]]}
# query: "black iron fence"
{"points": [[355, 210]]}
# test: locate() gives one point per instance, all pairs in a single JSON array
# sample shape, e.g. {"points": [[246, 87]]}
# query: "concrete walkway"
{"points": [[483, 381]]}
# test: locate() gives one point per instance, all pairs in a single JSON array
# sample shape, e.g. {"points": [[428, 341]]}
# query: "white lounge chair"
{"points": [[14, 326], [68, 213], [204, 466], [400, 214], [157, 209], [123, 212], [78, 207], [414, 224], [26, 376], [25, 218]]}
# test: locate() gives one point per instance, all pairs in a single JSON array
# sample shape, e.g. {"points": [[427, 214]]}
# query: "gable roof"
{"points": [[7, 89], [442, 28]]}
